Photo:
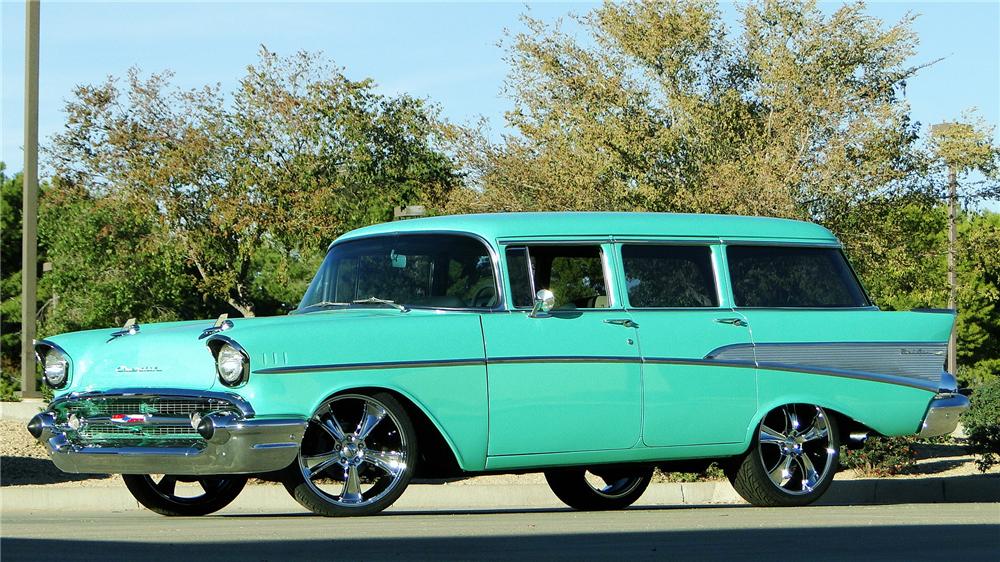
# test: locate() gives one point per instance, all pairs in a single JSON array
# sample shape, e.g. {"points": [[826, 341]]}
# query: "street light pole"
{"points": [[29, 209]]}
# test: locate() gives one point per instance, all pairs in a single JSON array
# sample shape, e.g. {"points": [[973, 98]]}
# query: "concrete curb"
{"points": [[460, 497], [23, 410]]}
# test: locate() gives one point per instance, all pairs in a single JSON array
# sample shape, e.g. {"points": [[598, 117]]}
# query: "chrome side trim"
{"points": [[923, 361], [151, 393], [370, 366], [707, 361], [843, 373], [564, 359]]}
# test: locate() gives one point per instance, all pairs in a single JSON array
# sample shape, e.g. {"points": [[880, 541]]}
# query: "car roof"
{"points": [[500, 226]]}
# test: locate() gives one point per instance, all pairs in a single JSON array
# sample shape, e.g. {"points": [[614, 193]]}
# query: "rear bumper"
{"points": [[236, 446], [942, 415]]}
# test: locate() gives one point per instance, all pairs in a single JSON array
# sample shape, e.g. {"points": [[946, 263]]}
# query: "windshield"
{"points": [[415, 270]]}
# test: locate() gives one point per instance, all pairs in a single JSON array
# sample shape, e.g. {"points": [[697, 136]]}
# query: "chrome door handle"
{"points": [[622, 322], [732, 321]]}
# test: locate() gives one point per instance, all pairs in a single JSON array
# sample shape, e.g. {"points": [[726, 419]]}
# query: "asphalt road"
{"points": [[962, 532]]}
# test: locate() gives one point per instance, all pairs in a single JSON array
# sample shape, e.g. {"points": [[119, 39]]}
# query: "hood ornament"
{"points": [[222, 323], [130, 328]]}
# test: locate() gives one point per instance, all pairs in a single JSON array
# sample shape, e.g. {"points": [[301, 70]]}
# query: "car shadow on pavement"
{"points": [[884, 542], [22, 471]]}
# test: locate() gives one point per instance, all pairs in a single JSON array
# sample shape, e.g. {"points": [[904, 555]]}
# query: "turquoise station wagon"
{"points": [[593, 347]]}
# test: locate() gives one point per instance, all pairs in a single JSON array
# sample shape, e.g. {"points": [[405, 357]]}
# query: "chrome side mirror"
{"points": [[544, 301]]}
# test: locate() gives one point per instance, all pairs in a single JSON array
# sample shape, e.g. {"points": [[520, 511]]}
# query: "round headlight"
{"points": [[231, 365], [56, 367]]}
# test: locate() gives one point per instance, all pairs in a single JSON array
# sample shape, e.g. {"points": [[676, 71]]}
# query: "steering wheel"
{"points": [[485, 296]]}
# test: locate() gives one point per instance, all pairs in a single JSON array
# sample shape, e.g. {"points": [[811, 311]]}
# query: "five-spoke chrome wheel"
{"points": [[356, 457], [160, 492], [793, 460], [599, 488]]}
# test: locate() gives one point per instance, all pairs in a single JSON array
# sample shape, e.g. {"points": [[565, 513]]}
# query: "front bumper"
{"points": [[234, 442], [942, 414]]}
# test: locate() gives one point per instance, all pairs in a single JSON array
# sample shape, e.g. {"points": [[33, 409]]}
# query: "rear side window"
{"points": [[669, 276], [786, 277]]}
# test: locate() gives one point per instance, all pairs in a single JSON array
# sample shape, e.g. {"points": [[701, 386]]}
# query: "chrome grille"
{"points": [[136, 431], [95, 407], [167, 419]]}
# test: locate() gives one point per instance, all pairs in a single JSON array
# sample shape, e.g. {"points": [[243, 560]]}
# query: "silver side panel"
{"points": [[916, 360]]}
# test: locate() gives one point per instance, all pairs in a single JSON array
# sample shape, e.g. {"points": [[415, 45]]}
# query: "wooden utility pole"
{"points": [[943, 129], [952, 279], [29, 209]]}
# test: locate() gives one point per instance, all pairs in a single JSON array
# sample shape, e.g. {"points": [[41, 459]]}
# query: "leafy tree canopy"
{"points": [[231, 188]]}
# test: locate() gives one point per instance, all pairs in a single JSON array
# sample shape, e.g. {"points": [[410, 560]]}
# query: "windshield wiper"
{"points": [[376, 300], [324, 304]]}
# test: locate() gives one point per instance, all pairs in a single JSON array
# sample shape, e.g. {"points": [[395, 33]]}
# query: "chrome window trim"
{"points": [[780, 242], [494, 260], [812, 308], [838, 246], [673, 241], [609, 279], [627, 305]]}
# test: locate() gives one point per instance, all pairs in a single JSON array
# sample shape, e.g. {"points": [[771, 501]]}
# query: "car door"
{"points": [[689, 397], [568, 380]]}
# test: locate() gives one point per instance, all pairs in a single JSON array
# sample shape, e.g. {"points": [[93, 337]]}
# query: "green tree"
{"points": [[657, 106], [11, 192], [236, 192]]}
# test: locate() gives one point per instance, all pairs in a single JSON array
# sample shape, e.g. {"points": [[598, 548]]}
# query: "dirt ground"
{"points": [[24, 461]]}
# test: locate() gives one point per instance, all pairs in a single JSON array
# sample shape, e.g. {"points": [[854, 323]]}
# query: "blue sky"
{"points": [[443, 51]]}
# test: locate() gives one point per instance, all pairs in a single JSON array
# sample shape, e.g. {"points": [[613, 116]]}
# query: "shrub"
{"points": [[10, 380], [713, 472], [982, 425], [983, 372], [881, 456]]}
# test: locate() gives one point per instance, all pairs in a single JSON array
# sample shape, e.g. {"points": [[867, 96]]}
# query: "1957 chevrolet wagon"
{"points": [[590, 346]]}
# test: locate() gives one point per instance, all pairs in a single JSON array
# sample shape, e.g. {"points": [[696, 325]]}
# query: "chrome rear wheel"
{"points": [[793, 460], [356, 458]]}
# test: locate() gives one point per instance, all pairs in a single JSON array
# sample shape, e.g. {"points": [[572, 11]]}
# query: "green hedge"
{"points": [[982, 425]]}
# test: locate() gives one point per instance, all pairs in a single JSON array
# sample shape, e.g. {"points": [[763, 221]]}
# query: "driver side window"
{"points": [[574, 274]]}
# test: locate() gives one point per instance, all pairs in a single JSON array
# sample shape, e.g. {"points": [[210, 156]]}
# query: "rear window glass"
{"points": [[784, 277], [669, 276]]}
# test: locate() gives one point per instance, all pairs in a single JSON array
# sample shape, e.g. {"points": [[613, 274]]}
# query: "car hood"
{"points": [[175, 355]]}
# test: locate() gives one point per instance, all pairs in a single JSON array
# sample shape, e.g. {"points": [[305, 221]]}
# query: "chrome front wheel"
{"points": [[599, 488], [357, 456], [160, 493], [793, 459]]}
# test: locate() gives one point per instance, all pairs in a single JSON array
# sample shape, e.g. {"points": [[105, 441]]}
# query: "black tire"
{"points": [[160, 496], [791, 467], [381, 455], [621, 487]]}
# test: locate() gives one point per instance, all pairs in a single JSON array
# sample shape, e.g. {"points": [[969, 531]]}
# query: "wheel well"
{"points": [[848, 426], [435, 457]]}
